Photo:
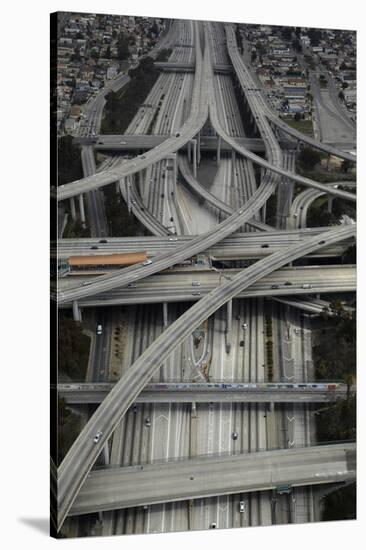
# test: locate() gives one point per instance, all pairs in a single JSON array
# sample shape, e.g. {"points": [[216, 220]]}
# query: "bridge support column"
{"points": [[189, 153], [194, 145], [76, 311], [117, 187], [165, 314], [218, 153], [128, 188], [199, 147], [73, 209], [328, 159], [229, 316], [82, 211], [233, 158], [330, 204], [106, 453], [173, 157]]}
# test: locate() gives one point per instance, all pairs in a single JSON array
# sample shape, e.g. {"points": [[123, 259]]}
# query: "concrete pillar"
{"points": [[82, 211], [73, 209], [194, 144], [76, 311], [165, 314], [233, 157], [264, 212], [189, 151], [106, 453], [328, 159], [218, 154], [199, 147], [229, 316], [117, 187], [128, 186], [330, 204]]}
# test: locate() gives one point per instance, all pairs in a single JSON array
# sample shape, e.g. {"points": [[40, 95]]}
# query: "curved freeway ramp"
{"points": [[83, 453]]}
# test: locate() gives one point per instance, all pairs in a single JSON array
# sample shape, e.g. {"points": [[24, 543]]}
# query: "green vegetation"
{"points": [[308, 158], [122, 106], [68, 429], [335, 354], [304, 126], [121, 222], [334, 358], [69, 167], [269, 347], [73, 349], [164, 54], [318, 215], [337, 422], [340, 504], [74, 229]]}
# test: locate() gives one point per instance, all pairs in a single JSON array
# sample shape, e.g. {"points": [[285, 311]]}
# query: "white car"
{"points": [[99, 330], [147, 262], [242, 506], [97, 437]]}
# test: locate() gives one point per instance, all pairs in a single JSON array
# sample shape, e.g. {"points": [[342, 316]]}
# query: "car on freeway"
{"points": [[196, 283], [97, 437], [99, 329], [244, 326], [103, 241], [86, 283], [123, 142], [234, 436], [242, 506], [93, 247], [147, 262], [265, 246], [321, 242], [297, 330], [307, 285], [177, 134], [143, 157], [173, 238], [213, 525], [288, 283], [275, 286], [148, 421]]}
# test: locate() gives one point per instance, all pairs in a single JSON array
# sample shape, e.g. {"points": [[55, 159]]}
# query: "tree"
{"points": [[108, 53], [94, 53], [286, 33], [297, 116], [309, 158], [345, 166], [253, 56], [122, 47], [344, 85], [341, 95]]}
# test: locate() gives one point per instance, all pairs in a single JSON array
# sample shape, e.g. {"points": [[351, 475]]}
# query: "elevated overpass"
{"points": [[115, 488], [239, 392], [240, 246], [191, 285], [144, 142]]}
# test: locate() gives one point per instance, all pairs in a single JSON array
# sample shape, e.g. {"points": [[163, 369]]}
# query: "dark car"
{"points": [[288, 283], [265, 246], [103, 241], [93, 248]]}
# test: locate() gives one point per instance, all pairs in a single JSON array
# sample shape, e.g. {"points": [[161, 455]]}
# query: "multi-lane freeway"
{"points": [[239, 194]]}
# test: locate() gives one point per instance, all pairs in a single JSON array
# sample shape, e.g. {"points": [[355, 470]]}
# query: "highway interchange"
{"points": [[231, 226]]}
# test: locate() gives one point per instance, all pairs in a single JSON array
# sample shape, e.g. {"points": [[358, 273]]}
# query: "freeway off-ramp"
{"points": [[116, 488]]}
